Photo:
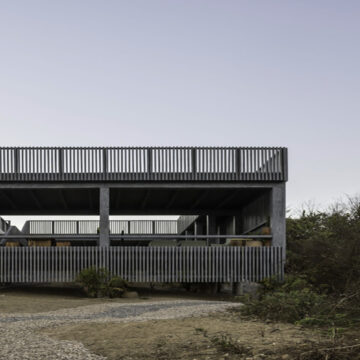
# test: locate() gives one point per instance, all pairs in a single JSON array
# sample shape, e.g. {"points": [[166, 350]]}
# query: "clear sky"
{"points": [[246, 73]]}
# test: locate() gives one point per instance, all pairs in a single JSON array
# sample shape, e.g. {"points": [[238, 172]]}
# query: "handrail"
{"points": [[87, 227], [136, 237], [143, 164]]}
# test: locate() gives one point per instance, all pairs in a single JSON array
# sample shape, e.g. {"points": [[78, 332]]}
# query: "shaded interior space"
{"points": [[206, 216], [48, 201], [165, 201], [126, 201]]}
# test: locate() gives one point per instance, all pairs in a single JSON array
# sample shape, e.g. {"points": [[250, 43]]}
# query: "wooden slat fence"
{"points": [[142, 264], [143, 164]]}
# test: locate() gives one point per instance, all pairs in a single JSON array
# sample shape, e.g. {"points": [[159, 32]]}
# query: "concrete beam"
{"points": [[104, 239], [143, 185], [136, 212]]}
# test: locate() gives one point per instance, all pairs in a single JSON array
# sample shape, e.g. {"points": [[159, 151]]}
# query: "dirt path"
{"points": [[22, 338], [46, 324]]}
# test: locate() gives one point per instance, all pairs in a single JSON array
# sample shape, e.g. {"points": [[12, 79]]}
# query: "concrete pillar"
{"points": [[104, 239], [218, 233], [210, 226], [234, 225], [277, 216]]}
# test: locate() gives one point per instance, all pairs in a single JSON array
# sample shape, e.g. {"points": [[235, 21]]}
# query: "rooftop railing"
{"points": [[90, 227], [143, 164]]}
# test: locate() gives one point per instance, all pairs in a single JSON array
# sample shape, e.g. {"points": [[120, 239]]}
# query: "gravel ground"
{"points": [[20, 337]]}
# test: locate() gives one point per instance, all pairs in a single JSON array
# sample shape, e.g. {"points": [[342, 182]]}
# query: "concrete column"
{"points": [[104, 216], [195, 229], [277, 216], [218, 233], [210, 226]]}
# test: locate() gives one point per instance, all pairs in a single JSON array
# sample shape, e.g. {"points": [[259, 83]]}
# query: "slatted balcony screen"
{"points": [[143, 164], [84, 227], [142, 264]]}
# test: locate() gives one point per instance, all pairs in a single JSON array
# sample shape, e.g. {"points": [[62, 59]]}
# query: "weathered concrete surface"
{"points": [[104, 216]]}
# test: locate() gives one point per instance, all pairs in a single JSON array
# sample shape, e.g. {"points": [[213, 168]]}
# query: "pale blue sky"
{"points": [[272, 73]]}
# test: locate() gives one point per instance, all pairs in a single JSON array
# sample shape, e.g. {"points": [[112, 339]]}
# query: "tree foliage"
{"points": [[325, 247], [322, 284]]}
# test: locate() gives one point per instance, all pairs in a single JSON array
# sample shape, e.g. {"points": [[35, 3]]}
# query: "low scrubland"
{"points": [[322, 286]]}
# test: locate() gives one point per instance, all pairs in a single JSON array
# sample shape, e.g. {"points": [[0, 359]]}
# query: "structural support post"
{"points": [[207, 229], [234, 225], [278, 213], [104, 239], [210, 226]]}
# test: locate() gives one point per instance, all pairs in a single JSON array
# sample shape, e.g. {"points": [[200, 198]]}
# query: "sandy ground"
{"points": [[189, 338], [40, 299], [220, 335], [32, 301], [23, 335]]}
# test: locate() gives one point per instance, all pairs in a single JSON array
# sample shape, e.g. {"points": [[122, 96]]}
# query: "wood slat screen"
{"points": [[142, 264]]}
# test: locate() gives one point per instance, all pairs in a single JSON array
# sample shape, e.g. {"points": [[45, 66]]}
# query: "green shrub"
{"points": [[118, 282], [324, 247], [115, 292], [323, 250], [296, 301], [93, 281], [116, 287], [289, 302]]}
